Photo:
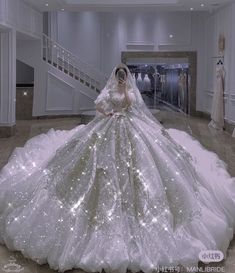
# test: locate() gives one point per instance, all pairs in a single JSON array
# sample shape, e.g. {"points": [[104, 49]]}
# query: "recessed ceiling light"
{"points": [[47, 4], [62, 9], [171, 36], [191, 8], [202, 5]]}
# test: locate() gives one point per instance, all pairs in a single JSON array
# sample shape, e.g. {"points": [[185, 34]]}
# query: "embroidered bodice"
{"points": [[115, 101], [118, 101]]}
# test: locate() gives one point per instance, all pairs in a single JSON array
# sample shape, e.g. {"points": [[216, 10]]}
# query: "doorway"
{"points": [[24, 91], [165, 79]]}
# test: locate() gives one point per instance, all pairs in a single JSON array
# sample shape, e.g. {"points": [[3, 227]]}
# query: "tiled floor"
{"points": [[220, 142]]}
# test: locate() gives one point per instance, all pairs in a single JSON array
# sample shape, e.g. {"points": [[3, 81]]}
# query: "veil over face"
{"points": [[138, 106], [112, 82]]}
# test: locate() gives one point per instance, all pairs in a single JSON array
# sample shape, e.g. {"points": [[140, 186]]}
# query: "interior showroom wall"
{"points": [[99, 39]]}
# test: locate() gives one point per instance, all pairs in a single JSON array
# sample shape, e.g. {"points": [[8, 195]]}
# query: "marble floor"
{"points": [[220, 142]]}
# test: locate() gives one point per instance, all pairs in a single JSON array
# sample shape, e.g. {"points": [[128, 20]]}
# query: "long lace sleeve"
{"points": [[103, 101], [101, 98]]}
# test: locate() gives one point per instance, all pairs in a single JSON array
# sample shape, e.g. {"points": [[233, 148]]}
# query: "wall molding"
{"points": [[211, 93], [162, 45], [232, 97], [135, 45], [50, 74], [21, 16], [86, 95], [68, 88]]}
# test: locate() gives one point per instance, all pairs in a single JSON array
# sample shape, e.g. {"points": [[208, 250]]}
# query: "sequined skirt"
{"points": [[119, 193]]}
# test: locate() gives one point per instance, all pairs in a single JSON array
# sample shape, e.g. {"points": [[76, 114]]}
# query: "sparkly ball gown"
{"points": [[118, 193]]}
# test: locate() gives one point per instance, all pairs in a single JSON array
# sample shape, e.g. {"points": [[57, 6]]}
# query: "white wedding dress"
{"points": [[217, 110], [118, 193]]}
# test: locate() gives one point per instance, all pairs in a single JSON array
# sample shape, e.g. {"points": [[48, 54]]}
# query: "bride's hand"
{"points": [[122, 81]]}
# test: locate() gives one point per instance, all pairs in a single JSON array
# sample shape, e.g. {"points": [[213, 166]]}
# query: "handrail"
{"points": [[56, 55]]}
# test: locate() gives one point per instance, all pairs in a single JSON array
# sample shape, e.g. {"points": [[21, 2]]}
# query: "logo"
{"points": [[208, 256]]}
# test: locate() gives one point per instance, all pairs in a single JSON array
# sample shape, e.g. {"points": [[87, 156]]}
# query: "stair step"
{"points": [[72, 75]]}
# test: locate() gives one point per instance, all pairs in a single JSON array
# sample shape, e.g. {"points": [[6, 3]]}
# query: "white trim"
{"points": [[232, 96], [143, 43], [229, 121], [87, 109], [49, 73], [86, 95], [1, 83], [58, 109], [52, 109], [175, 44], [140, 45], [7, 124]]}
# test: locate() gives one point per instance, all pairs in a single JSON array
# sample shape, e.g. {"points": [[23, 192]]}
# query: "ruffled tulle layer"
{"points": [[47, 231]]}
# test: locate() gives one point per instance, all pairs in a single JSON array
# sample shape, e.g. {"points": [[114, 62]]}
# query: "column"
{"points": [[7, 82]]}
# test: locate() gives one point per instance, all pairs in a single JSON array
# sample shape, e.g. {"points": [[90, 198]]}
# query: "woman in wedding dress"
{"points": [[118, 193]]}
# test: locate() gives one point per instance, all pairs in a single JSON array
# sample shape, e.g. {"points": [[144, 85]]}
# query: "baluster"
{"points": [[52, 48], [55, 58], [49, 51], [46, 49], [63, 60], [60, 59], [43, 47], [68, 63]]}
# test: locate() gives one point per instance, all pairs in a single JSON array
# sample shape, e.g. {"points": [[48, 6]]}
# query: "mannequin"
{"points": [[182, 90], [217, 111]]}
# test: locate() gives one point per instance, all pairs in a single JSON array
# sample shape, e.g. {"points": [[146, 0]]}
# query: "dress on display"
{"points": [[217, 111], [139, 82], [146, 83], [119, 193], [182, 90]]}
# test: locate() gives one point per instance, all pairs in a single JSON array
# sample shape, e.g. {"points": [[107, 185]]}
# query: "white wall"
{"points": [[16, 18], [7, 77], [223, 21], [151, 31], [24, 73], [81, 34], [99, 38], [17, 14], [55, 93]]}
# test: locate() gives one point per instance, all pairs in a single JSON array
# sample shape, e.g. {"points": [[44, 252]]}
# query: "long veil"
{"points": [[139, 107]]}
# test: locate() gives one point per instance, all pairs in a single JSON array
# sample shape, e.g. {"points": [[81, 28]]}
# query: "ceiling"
{"points": [[128, 5]]}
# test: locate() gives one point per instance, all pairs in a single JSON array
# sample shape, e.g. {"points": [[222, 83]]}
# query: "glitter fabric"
{"points": [[118, 193]]}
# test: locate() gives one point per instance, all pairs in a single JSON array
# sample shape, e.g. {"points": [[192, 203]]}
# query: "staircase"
{"points": [[62, 59]]}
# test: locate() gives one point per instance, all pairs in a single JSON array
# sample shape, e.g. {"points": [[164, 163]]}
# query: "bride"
{"points": [[118, 193]]}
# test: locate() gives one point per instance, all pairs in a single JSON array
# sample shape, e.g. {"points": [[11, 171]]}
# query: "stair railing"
{"points": [[70, 64]]}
